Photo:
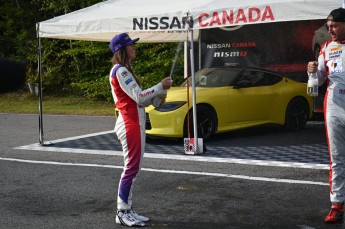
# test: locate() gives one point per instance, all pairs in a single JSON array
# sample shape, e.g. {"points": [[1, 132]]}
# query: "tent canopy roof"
{"points": [[163, 21]]}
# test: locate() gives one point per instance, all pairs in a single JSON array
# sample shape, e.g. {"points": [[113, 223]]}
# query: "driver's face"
{"points": [[336, 30]]}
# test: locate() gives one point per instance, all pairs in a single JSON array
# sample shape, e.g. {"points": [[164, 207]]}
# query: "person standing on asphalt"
{"points": [[130, 100], [330, 67]]}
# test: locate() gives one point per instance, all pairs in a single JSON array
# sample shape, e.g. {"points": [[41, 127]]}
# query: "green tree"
{"points": [[68, 66]]}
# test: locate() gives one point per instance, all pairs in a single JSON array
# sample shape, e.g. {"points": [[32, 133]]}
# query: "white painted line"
{"points": [[82, 136], [242, 177], [38, 147], [51, 148]]}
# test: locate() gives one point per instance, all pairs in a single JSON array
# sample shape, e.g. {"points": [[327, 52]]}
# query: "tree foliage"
{"points": [[69, 66]]}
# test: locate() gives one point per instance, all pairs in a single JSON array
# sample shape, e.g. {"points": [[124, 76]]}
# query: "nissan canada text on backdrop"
{"points": [[224, 18]]}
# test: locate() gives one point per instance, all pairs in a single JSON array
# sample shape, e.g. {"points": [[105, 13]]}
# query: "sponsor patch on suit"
{"points": [[124, 74], [128, 81]]}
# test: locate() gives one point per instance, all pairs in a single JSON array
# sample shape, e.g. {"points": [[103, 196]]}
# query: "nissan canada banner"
{"points": [[285, 47]]}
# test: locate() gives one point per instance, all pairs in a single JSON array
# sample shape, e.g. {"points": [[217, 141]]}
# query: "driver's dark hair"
{"points": [[121, 57]]}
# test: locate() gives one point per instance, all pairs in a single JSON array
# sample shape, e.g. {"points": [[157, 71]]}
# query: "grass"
{"points": [[27, 103]]}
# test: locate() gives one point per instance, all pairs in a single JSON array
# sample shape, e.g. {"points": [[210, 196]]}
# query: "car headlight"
{"points": [[170, 106]]}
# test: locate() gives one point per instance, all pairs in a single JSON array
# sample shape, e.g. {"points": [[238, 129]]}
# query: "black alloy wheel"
{"points": [[297, 114], [207, 122]]}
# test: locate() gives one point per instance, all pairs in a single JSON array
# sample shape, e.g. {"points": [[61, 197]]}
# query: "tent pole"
{"points": [[189, 22], [195, 120], [40, 117], [185, 60], [199, 45]]}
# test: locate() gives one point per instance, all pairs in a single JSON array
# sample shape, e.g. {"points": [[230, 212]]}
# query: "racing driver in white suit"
{"points": [[330, 68], [130, 100]]}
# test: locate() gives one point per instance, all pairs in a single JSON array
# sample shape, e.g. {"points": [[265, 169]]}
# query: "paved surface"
{"points": [[255, 178]]}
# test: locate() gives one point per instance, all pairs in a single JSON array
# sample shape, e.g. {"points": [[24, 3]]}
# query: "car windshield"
{"points": [[214, 77]]}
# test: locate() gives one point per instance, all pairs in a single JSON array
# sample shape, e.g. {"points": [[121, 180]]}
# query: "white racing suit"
{"points": [[332, 68], [130, 100]]}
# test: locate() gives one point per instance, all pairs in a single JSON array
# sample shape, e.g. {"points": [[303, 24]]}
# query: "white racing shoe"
{"points": [[127, 219], [139, 217]]}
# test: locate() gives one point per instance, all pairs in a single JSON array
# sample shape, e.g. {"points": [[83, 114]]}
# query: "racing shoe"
{"points": [[127, 219], [336, 214], [139, 217]]}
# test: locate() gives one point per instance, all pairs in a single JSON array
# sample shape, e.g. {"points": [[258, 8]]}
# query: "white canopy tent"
{"points": [[165, 21], [162, 21]]}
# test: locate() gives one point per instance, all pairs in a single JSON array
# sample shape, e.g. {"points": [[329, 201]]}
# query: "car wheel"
{"points": [[297, 114], [207, 123]]}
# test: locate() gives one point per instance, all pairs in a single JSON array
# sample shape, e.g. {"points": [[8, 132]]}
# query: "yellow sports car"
{"points": [[229, 99]]}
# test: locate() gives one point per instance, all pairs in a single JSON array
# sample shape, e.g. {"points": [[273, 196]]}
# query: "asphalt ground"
{"points": [[255, 178]]}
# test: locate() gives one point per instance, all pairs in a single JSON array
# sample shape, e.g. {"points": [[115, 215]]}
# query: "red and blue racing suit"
{"points": [[130, 100]]}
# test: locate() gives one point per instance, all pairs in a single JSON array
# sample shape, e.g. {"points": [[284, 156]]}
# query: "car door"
{"points": [[221, 81], [251, 98]]}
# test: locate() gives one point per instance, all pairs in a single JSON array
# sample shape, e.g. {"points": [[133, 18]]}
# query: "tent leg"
{"points": [[191, 51], [189, 22], [185, 60], [40, 116], [199, 51]]}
